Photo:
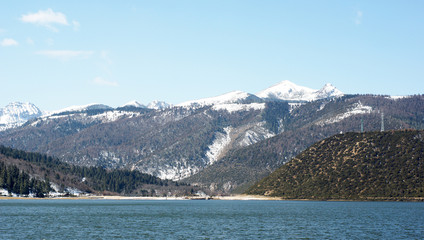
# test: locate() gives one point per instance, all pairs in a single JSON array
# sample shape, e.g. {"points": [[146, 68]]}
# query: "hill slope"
{"points": [[24, 172], [373, 165], [300, 128]]}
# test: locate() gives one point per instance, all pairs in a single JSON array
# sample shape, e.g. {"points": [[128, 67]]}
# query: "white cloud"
{"points": [[358, 18], [7, 42], [102, 82], [65, 54], [46, 18]]}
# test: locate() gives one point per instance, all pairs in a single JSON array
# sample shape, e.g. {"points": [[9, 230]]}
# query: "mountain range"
{"points": [[17, 113], [223, 143]]}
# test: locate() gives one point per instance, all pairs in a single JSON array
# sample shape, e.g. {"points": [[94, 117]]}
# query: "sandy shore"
{"points": [[232, 197], [246, 197]]}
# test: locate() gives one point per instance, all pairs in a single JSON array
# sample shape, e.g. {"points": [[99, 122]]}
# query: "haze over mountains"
{"points": [[223, 143]]}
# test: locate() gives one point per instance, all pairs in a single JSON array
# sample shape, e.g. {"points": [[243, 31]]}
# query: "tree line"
{"points": [[97, 178], [19, 182]]}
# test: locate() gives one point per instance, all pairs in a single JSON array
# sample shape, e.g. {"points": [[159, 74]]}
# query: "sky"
{"points": [[61, 53]]}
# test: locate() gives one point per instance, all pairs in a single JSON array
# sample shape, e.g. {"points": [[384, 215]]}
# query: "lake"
{"points": [[215, 219]]}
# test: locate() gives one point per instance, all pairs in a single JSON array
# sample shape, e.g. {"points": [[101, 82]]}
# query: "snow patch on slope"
{"points": [[176, 173], [239, 107], [112, 116], [255, 134], [222, 140], [397, 97], [358, 108], [294, 106]]}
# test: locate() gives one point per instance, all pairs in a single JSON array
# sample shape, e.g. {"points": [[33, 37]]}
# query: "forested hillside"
{"points": [[24, 172], [357, 166], [19, 182]]}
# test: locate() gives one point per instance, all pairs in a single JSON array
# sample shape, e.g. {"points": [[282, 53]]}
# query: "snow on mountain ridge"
{"points": [[15, 114], [228, 98], [76, 108], [133, 104], [328, 91], [158, 105], [289, 91]]}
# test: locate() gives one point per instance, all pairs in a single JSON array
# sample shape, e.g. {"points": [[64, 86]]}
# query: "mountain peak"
{"points": [[133, 103], [328, 91], [158, 105], [287, 90], [227, 98], [17, 113], [290, 91]]}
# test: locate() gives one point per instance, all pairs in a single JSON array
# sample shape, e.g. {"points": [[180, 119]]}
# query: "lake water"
{"points": [[144, 219]]}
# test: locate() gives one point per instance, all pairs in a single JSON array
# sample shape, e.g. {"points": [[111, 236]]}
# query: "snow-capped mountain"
{"points": [[82, 108], [133, 104], [328, 91], [158, 105], [289, 91], [235, 97], [17, 113]]}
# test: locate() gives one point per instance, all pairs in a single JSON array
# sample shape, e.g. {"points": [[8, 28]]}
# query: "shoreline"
{"points": [[115, 197], [225, 198]]}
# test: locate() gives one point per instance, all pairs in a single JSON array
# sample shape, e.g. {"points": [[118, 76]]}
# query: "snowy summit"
{"points": [[158, 105], [133, 104], [17, 113], [235, 97], [289, 91]]}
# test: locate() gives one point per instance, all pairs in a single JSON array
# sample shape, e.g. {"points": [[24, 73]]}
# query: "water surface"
{"points": [[149, 219]]}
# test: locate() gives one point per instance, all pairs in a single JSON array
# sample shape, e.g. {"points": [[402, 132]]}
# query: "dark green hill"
{"points": [[354, 166]]}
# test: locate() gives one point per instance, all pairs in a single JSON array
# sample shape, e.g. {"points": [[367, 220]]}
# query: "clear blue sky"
{"points": [[61, 53]]}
